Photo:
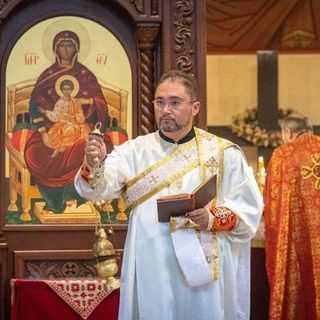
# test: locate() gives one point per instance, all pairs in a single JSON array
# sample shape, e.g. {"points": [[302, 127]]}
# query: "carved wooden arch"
{"points": [[179, 43]]}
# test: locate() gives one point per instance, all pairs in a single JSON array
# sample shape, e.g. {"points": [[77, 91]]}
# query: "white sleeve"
{"points": [[239, 192], [118, 169]]}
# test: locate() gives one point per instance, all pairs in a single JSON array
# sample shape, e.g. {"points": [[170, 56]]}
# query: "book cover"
{"points": [[178, 204]]}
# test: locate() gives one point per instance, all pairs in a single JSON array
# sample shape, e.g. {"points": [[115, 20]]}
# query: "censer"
{"points": [[106, 265], [106, 257]]}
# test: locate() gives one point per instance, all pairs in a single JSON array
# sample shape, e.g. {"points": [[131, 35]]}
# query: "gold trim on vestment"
{"points": [[199, 136], [164, 183], [215, 259], [178, 150], [200, 154], [222, 144]]}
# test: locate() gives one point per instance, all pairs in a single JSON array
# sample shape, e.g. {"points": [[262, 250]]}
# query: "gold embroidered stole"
{"points": [[211, 153], [161, 174], [205, 151]]}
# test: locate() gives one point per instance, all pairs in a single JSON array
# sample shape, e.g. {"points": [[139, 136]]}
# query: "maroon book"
{"points": [[179, 204]]}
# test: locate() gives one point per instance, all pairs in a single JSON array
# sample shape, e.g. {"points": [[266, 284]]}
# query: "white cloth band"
{"points": [[191, 258]]}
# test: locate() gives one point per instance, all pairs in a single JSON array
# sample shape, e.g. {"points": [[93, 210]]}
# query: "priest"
{"points": [[292, 204], [198, 266]]}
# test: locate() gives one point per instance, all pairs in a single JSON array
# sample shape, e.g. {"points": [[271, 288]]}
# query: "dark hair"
{"points": [[66, 82], [187, 80], [296, 123]]}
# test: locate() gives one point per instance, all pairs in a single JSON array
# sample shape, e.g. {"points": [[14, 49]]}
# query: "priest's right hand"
{"points": [[95, 151]]}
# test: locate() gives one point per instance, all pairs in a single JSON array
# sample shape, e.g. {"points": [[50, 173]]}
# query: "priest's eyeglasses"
{"points": [[173, 104]]}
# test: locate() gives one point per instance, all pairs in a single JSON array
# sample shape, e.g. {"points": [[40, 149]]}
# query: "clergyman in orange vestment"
{"points": [[292, 222]]}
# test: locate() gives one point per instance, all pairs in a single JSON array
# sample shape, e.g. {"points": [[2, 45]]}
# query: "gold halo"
{"points": [[73, 80], [68, 24]]}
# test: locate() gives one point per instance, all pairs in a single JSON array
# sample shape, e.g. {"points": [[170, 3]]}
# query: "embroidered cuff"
{"points": [[92, 175], [224, 219]]}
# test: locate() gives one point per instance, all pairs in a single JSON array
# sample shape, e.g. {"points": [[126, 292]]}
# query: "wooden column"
{"points": [[3, 277], [267, 89], [267, 112], [147, 35], [184, 40]]}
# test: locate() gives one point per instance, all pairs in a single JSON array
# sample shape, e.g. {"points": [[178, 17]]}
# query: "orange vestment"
{"points": [[70, 125], [292, 222]]}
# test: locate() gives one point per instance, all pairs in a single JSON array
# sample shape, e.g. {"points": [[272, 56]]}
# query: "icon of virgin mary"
{"points": [[53, 164]]}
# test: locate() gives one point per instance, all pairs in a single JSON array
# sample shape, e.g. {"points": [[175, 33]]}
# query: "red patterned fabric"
{"points": [[224, 219], [292, 224], [83, 296], [19, 139], [35, 300]]}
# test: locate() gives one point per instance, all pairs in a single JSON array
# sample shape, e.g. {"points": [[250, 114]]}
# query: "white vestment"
{"points": [[152, 284]]}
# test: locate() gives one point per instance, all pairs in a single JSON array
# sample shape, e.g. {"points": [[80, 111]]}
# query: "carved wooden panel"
{"points": [[3, 3], [155, 7], [147, 35], [3, 277], [184, 35], [48, 264], [139, 5], [185, 38]]}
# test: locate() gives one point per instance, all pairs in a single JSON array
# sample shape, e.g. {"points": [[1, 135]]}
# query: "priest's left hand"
{"points": [[200, 217]]}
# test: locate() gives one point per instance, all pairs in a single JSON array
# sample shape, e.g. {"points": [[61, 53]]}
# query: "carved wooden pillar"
{"points": [[147, 35], [154, 7], [184, 36], [3, 276], [184, 43], [2, 3], [267, 112], [139, 5]]}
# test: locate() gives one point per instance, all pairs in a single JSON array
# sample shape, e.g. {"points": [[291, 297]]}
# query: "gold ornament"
{"points": [[121, 216], [104, 251], [108, 206], [261, 174], [102, 247], [313, 171]]}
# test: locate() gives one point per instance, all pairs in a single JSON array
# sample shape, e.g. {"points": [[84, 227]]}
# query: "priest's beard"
{"points": [[172, 125]]}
